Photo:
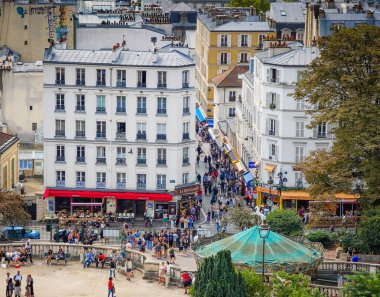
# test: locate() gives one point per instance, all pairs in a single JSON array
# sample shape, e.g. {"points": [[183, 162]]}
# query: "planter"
{"points": [[272, 106]]}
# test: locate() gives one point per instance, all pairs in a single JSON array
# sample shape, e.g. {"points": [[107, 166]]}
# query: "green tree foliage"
{"points": [[292, 285], [362, 285], [241, 216], [342, 88], [286, 222], [369, 230], [253, 282], [12, 209], [260, 5], [319, 236], [217, 278]]}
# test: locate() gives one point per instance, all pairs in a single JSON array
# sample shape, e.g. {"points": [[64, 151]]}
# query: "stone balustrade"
{"points": [[328, 291], [348, 267]]}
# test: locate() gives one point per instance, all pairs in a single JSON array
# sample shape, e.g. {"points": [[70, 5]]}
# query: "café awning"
{"points": [[270, 167]]}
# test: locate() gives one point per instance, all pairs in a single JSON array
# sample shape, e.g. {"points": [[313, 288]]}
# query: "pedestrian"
{"points": [[128, 266], [187, 281], [18, 277], [10, 286], [111, 287], [167, 275], [172, 256], [28, 248], [198, 159], [112, 268], [205, 161], [340, 279], [29, 286]]}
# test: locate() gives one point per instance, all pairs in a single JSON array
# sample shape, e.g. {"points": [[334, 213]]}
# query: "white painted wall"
{"points": [[223, 103]]}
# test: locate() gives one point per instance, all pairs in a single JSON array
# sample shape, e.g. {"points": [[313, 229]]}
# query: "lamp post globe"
{"points": [[264, 231]]}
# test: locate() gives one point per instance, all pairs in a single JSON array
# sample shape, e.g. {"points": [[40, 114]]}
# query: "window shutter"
{"points": [[218, 59], [249, 40], [268, 74], [315, 132], [277, 127], [277, 101], [278, 76], [270, 150], [267, 126], [228, 58], [239, 40], [297, 128], [219, 41], [328, 130], [276, 147], [229, 40], [268, 99]]}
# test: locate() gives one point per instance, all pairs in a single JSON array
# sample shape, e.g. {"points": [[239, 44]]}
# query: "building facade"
{"points": [[123, 122], [224, 38], [272, 125], [8, 161]]}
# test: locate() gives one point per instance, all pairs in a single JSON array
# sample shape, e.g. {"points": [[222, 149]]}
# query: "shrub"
{"points": [[286, 222], [362, 285], [319, 236], [254, 284]]}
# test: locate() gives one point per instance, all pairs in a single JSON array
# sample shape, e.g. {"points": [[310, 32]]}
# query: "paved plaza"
{"points": [[73, 280]]}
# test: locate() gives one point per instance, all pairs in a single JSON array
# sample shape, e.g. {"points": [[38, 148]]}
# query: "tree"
{"points": [[284, 221], [260, 5], [217, 277], [341, 88], [241, 216], [368, 232], [12, 210], [362, 285], [253, 282]]}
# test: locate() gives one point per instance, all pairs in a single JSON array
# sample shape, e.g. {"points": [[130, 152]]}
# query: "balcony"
{"points": [[161, 111], [161, 136], [161, 162], [100, 134], [60, 107], [232, 98], [120, 135], [141, 85], [272, 132], [100, 160], [185, 85], [100, 83], [60, 183], [121, 84], [141, 136], [100, 109], [80, 184], [161, 86], [59, 133], [141, 110], [100, 185], [161, 186], [243, 44], [321, 135], [223, 44], [186, 136], [60, 158], [59, 81], [185, 161], [186, 110], [80, 82], [81, 159], [80, 134], [141, 161], [121, 185], [141, 186], [120, 161], [121, 109], [80, 108]]}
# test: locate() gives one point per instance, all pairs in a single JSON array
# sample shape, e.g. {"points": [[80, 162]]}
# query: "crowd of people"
{"points": [[14, 285]]}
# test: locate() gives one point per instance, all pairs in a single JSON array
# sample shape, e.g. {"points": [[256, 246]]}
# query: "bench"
{"points": [[54, 258]]}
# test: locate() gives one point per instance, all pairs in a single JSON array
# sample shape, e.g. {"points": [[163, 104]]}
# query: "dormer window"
{"points": [[283, 12]]}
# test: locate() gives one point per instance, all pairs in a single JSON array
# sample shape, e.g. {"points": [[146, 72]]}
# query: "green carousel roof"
{"points": [[281, 253]]}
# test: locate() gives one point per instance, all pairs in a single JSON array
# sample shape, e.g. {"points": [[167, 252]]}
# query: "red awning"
{"points": [[116, 195]]}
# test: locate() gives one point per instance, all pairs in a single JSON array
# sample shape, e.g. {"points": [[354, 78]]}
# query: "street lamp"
{"points": [[264, 231]]}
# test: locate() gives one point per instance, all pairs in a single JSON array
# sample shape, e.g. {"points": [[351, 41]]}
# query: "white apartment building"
{"points": [[271, 124], [118, 128]]}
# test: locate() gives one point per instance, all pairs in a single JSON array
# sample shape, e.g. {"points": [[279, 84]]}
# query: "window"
{"points": [[272, 151], [161, 105], [80, 128], [60, 128], [101, 129], [185, 78], [100, 180], [141, 105], [273, 75], [283, 12], [81, 76], [300, 35], [100, 103], [120, 155], [34, 126], [161, 131], [272, 127], [141, 79], [121, 80], [161, 156], [243, 58], [100, 77], [300, 104], [161, 181], [186, 104], [141, 156], [185, 178], [231, 112], [141, 131], [300, 129], [121, 130], [232, 96], [186, 134], [59, 102], [273, 100], [224, 40], [25, 164], [298, 179], [243, 40], [141, 181], [80, 179], [121, 104], [100, 155], [321, 130], [60, 157], [261, 40], [81, 103], [184, 18], [223, 58], [81, 154], [300, 154], [121, 180], [59, 76], [185, 156], [60, 178], [161, 83]]}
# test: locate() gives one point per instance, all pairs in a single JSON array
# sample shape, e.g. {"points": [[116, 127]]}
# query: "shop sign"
{"points": [[187, 189], [251, 164], [51, 205], [150, 208], [172, 181]]}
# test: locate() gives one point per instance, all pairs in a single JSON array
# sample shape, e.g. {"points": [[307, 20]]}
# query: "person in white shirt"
{"points": [[18, 276]]}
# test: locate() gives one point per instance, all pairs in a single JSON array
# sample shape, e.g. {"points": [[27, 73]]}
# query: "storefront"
{"points": [[186, 196], [268, 195], [101, 202]]}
